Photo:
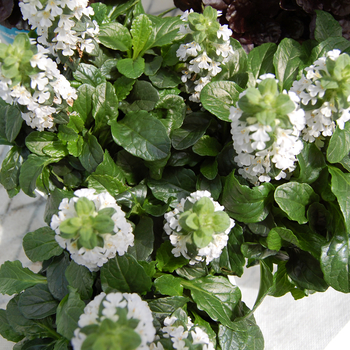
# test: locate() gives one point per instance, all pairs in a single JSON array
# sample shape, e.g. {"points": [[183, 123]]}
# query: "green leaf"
{"points": [[13, 121], [326, 26], [14, 277], [37, 302], [279, 236], [143, 239], [165, 79], [84, 283], [56, 279], [123, 87], [169, 285], [115, 36], [231, 259], [124, 274], [305, 271], [166, 261], [266, 281], [41, 244], [216, 296], [6, 331], [207, 146], [193, 128], [92, 153], [141, 29], [218, 96], [131, 68], [327, 45], [335, 257], [281, 282], [340, 185], [104, 105], [89, 74], [30, 171], [143, 97], [250, 338], [175, 184], [151, 143], [163, 307], [246, 204], [286, 61], [339, 144], [165, 31], [293, 197], [10, 170], [56, 149], [260, 61], [53, 201], [209, 168], [37, 140], [311, 162], [68, 313], [83, 104], [109, 69]]}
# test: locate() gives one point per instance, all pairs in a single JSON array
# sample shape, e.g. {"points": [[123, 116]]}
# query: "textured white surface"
{"points": [[312, 323]]}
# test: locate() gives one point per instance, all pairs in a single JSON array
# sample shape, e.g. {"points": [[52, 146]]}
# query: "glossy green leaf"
{"points": [[169, 285], [92, 153], [89, 74], [6, 331], [287, 61], [10, 170], [37, 140], [143, 97], [41, 244], [37, 302], [281, 282], [56, 279], [13, 121], [151, 143], [14, 277], [115, 36], [260, 61], [83, 284], [327, 45], [218, 96], [141, 29], [163, 307], [123, 87], [246, 204], [326, 26], [83, 104], [124, 274], [207, 146], [293, 197], [68, 313], [165, 79], [131, 68], [166, 261], [339, 144], [216, 296]]}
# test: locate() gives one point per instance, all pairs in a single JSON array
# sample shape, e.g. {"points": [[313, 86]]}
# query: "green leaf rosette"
{"points": [[92, 227], [198, 228]]}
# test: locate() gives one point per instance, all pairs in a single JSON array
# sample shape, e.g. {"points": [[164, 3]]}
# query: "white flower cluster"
{"points": [[105, 307], [55, 20], [117, 243], [47, 82], [201, 68], [319, 121], [178, 334], [179, 240], [258, 145]]}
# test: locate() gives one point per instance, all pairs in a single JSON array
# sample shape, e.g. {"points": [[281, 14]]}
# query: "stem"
{"points": [[167, 11]]}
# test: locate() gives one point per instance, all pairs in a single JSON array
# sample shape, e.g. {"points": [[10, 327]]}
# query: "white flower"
{"points": [[117, 243], [106, 306], [224, 32], [179, 240]]}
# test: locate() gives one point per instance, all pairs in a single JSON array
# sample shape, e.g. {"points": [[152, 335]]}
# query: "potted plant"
{"points": [[171, 159]]}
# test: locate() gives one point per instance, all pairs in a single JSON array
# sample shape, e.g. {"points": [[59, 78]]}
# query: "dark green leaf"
{"points": [[6, 331], [327, 45], [37, 140], [339, 144], [37, 302], [123, 87], [54, 199], [92, 153], [141, 29], [163, 307], [84, 283], [326, 26], [286, 61], [83, 104], [124, 274], [13, 122], [149, 143], [176, 183], [166, 261], [89, 74], [10, 170], [216, 296], [68, 313], [218, 96], [193, 128], [56, 278], [281, 283], [293, 197], [244, 203], [41, 244], [143, 239], [165, 79], [143, 96], [14, 277], [109, 69], [209, 168], [207, 146]]}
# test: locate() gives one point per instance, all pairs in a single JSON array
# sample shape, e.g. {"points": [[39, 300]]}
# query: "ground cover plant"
{"points": [[171, 159]]}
